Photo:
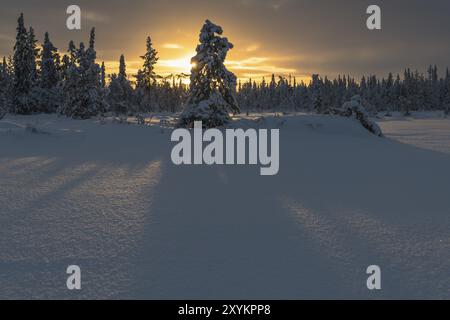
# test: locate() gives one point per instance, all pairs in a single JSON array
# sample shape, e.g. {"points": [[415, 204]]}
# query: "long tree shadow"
{"points": [[220, 232], [89, 214], [394, 215]]}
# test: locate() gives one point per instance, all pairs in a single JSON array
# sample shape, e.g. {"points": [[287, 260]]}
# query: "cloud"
{"points": [[252, 48], [94, 17], [172, 46], [273, 4], [6, 38], [258, 66]]}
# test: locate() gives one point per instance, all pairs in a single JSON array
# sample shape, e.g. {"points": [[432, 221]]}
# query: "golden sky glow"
{"points": [[245, 59], [175, 58]]}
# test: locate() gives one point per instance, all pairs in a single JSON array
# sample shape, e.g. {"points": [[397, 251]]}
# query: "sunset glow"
{"points": [[255, 68]]}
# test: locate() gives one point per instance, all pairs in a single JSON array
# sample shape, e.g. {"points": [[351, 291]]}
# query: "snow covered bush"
{"points": [[212, 94], [354, 109]]}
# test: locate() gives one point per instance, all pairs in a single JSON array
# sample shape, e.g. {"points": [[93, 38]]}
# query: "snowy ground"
{"points": [[428, 130], [107, 198]]}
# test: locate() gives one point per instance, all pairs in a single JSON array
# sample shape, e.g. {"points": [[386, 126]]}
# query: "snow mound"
{"points": [[304, 123]]}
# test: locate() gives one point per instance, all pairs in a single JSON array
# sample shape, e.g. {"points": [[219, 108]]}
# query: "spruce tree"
{"points": [[5, 85], [49, 67], [103, 75], [49, 95], [122, 69], [212, 93], [33, 56], [145, 95], [120, 90], [24, 71], [146, 77]]}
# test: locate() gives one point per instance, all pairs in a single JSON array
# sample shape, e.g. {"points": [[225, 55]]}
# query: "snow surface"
{"points": [[424, 131], [105, 196]]}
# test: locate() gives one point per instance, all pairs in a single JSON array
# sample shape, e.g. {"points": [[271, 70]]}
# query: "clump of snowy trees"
{"points": [[38, 80], [83, 91], [41, 79]]}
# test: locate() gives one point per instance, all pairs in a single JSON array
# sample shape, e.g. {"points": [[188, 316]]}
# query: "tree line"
{"points": [[413, 91], [38, 80]]}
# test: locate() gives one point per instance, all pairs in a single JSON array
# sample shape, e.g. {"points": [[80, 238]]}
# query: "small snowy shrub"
{"points": [[140, 119], [354, 109]]}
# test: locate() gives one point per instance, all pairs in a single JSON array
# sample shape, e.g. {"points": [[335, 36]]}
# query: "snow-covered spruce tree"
{"points": [[318, 94], [120, 90], [146, 76], [49, 93], [103, 75], [84, 96], [212, 93], [146, 80], [5, 87], [24, 69], [354, 109], [34, 55]]}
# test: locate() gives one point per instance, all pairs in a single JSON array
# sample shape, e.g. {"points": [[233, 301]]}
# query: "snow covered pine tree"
{"points": [[146, 80], [49, 92], [212, 93], [120, 90], [5, 85], [25, 75]]}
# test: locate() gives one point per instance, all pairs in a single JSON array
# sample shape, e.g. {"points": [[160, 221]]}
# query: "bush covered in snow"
{"points": [[354, 109]]}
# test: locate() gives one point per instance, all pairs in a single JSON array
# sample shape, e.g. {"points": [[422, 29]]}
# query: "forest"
{"points": [[40, 79]]}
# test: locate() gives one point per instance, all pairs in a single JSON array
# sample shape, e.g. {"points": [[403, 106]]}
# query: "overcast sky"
{"points": [[300, 37]]}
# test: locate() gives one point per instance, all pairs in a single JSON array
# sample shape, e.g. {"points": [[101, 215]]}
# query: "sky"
{"points": [[298, 37]]}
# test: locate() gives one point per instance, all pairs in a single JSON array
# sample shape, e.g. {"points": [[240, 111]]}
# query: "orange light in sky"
{"points": [[175, 59]]}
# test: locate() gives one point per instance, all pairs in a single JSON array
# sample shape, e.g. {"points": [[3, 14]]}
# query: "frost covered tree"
{"points": [[49, 64], [146, 80], [318, 92], [5, 85], [34, 55], [25, 74], [146, 77], [49, 93], [6, 82], [212, 93], [120, 90], [103, 75]]}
